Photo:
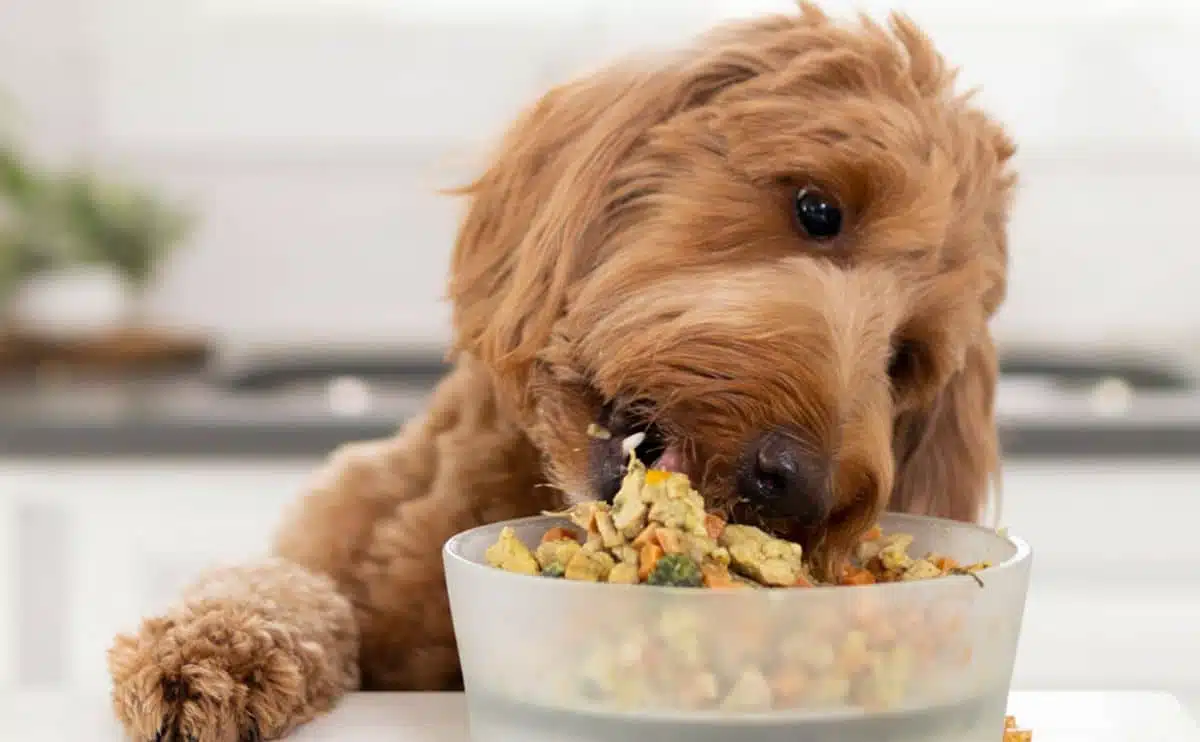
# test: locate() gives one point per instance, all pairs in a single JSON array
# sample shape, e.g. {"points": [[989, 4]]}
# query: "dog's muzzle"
{"points": [[779, 476]]}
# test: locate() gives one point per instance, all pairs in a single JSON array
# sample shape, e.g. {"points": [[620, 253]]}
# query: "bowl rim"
{"points": [[451, 553]]}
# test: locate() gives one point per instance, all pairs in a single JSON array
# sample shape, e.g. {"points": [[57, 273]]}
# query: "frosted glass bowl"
{"points": [[942, 649]]}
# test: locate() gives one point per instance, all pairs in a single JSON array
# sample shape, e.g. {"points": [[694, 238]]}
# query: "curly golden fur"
{"points": [[632, 255]]}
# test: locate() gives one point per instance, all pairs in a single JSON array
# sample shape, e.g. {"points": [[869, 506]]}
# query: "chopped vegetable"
{"points": [[676, 570], [589, 566], [511, 555], [764, 558]]}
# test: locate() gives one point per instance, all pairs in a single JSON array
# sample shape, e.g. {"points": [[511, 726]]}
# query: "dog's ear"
{"points": [[947, 452], [535, 218], [530, 228]]}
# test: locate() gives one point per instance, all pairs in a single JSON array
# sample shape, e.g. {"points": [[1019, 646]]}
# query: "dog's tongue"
{"points": [[671, 460]]}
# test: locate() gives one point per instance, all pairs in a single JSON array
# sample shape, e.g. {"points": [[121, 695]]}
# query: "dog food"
{"points": [[658, 532], [1013, 734]]}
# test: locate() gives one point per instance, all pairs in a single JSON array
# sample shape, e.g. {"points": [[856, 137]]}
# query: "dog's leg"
{"points": [[355, 595]]}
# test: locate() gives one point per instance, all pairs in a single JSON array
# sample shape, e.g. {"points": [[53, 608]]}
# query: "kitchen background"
{"points": [[289, 151]]}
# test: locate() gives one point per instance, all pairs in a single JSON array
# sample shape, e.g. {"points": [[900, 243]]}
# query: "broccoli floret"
{"points": [[676, 570], [553, 570]]}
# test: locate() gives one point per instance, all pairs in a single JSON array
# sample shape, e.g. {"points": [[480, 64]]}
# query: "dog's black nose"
{"points": [[782, 478]]}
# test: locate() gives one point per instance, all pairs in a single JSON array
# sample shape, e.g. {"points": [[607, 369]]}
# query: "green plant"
{"points": [[125, 226], [50, 219], [32, 238]]}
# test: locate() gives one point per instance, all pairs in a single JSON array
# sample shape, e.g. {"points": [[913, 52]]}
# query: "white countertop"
{"points": [[1057, 716]]}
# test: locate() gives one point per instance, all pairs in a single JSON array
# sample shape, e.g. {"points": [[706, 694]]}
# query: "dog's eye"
{"points": [[904, 364], [817, 215]]}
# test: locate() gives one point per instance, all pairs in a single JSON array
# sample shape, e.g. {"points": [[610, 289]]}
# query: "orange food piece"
{"points": [[647, 558], [788, 685], [717, 576], [669, 539], [857, 576], [1014, 734], [646, 536], [714, 525], [559, 533], [802, 581], [657, 476], [945, 563], [872, 534]]}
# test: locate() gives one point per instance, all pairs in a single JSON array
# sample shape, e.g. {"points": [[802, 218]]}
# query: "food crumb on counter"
{"points": [[1014, 734]]}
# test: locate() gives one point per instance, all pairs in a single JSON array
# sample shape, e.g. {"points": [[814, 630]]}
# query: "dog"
{"points": [[774, 253]]}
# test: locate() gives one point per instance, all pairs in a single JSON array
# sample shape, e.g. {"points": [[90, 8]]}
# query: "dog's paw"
{"points": [[218, 671]]}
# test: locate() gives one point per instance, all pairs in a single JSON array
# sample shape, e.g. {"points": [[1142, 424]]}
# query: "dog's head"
{"points": [[774, 254]]}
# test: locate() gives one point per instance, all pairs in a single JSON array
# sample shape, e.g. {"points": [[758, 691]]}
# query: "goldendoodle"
{"points": [[775, 253]]}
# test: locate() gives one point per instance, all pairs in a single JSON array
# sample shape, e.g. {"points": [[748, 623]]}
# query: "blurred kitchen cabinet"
{"points": [[1116, 591], [8, 590], [116, 541]]}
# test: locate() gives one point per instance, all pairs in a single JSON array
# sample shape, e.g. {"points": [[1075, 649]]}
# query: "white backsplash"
{"points": [[313, 143]]}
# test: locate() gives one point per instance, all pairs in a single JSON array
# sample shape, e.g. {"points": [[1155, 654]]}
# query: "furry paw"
{"points": [[217, 671]]}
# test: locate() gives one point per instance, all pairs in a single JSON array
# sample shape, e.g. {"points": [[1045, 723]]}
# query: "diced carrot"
{"points": [[714, 525], [872, 534], [856, 576], [646, 536], [559, 533], [945, 563], [802, 581], [647, 558], [717, 576]]}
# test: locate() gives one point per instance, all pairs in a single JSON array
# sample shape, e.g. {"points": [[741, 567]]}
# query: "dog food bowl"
{"points": [[552, 660]]}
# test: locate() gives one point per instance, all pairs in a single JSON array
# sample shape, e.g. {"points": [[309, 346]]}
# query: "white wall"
{"points": [[312, 135]]}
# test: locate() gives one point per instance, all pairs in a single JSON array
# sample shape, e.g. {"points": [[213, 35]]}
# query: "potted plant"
{"points": [[32, 238], [79, 252], [125, 228]]}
